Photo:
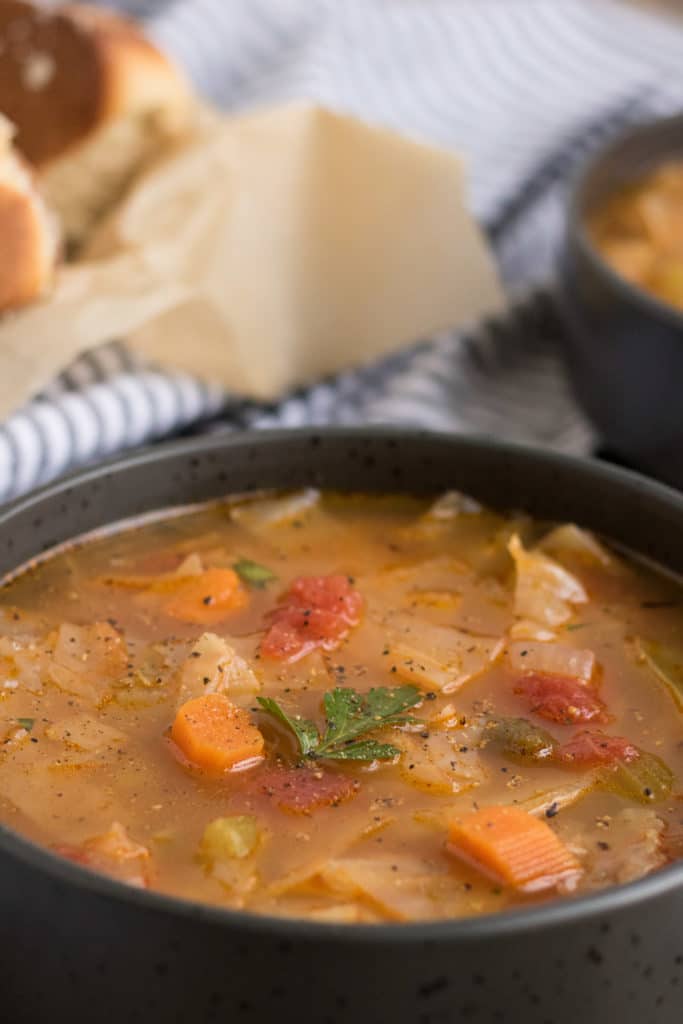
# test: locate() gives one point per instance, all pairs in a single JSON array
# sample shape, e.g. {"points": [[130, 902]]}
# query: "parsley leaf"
{"points": [[304, 730], [349, 715], [253, 573], [365, 750], [344, 714]]}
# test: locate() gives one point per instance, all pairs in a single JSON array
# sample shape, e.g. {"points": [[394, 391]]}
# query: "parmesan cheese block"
{"points": [[269, 251]]}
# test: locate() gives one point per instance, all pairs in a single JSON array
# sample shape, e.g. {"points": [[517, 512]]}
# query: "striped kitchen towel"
{"points": [[525, 89]]}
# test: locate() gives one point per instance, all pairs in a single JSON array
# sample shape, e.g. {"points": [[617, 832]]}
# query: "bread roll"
{"points": [[92, 101], [28, 232]]}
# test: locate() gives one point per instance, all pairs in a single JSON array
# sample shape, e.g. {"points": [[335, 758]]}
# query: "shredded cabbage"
{"points": [[438, 657], [452, 504], [572, 540], [85, 732], [262, 513], [553, 659], [545, 592], [213, 666]]}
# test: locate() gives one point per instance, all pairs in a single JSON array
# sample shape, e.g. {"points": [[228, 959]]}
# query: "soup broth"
{"points": [[345, 707]]}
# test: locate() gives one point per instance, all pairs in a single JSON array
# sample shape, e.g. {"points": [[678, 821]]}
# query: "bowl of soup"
{"points": [[364, 725], [621, 278]]}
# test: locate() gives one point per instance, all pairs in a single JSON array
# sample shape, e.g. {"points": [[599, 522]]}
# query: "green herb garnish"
{"points": [[306, 732], [253, 573], [350, 715], [26, 723]]}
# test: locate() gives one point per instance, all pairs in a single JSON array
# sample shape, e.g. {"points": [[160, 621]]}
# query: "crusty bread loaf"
{"points": [[92, 100], [28, 233]]}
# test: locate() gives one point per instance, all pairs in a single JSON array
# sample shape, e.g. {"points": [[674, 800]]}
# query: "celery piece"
{"points": [[229, 838], [646, 779]]}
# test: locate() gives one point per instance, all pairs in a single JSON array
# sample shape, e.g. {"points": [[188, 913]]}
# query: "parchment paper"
{"points": [[269, 250]]}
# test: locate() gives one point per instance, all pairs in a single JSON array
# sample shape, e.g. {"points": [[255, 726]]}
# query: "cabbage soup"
{"points": [[347, 708]]}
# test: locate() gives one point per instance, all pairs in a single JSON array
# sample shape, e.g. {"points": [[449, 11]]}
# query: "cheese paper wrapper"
{"points": [[268, 251]]}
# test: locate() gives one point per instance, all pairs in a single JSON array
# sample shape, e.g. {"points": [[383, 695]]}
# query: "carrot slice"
{"points": [[207, 598], [515, 848], [214, 733]]}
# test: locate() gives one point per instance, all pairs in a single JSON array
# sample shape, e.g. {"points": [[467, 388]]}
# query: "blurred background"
{"points": [[529, 94]]}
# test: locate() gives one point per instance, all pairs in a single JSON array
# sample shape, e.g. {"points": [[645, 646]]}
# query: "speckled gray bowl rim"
{"points": [[577, 224], [456, 931]]}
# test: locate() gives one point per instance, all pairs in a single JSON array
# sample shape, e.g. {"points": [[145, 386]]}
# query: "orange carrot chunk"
{"points": [[214, 733], [514, 848], [207, 598]]}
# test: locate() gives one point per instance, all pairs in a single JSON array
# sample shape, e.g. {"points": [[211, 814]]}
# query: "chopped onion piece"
{"points": [[544, 591], [553, 659]]}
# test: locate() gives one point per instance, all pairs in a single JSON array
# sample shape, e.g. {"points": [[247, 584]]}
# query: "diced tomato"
{"points": [[302, 790], [329, 593], [561, 699], [316, 611], [589, 749], [75, 853]]}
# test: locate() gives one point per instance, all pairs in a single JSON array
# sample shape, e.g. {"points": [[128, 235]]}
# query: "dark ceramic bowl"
{"points": [[78, 947], [624, 348]]}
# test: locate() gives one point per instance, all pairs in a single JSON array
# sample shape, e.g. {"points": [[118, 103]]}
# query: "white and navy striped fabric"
{"points": [[523, 88]]}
